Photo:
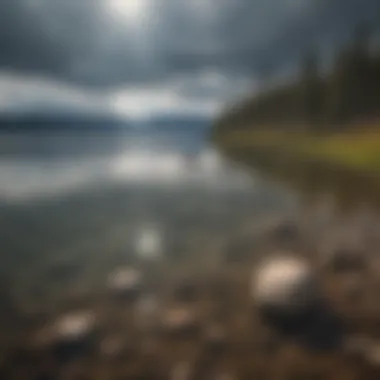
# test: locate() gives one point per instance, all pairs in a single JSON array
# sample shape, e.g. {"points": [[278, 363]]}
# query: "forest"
{"points": [[344, 96]]}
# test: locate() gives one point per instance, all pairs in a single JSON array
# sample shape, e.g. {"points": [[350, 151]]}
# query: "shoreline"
{"points": [[346, 164]]}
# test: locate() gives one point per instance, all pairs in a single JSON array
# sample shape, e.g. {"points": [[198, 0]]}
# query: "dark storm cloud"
{"points": [[78, 41], [68, 39], [261, 36]]}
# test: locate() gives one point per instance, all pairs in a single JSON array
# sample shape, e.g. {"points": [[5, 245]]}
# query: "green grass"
{"points": [[352, 150]]}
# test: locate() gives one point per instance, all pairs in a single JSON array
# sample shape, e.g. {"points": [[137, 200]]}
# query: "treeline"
{"points": [[55, 121], [348, 93]]}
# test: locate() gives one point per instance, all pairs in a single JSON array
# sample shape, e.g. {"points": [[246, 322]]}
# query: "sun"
{"points": [[132, 10]]}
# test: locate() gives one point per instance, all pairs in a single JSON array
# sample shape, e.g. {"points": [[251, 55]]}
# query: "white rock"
{"points": [[70, 328], [125, 279], [75, 326], [285, 284]]}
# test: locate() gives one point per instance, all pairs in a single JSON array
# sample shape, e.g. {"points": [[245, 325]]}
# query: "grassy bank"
{"points": [[359, 151], [346, 165]]}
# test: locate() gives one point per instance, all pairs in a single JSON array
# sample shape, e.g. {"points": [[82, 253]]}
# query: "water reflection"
{"points": [[149, 243], [176, 160], [154, 240]]}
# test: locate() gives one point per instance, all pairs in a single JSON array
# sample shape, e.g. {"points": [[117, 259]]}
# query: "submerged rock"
{"points": [[125, 283], [69, 336]]}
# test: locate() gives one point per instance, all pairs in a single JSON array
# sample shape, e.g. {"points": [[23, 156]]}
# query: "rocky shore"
{"points": [[235, 290]]}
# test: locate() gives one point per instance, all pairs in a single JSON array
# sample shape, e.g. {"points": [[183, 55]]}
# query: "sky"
{"points": [[140, 57]]}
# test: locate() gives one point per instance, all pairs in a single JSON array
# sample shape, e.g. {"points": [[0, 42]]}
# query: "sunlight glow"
{"points": [[144, 166], [142, 102], [131, 10], [149, 244]]}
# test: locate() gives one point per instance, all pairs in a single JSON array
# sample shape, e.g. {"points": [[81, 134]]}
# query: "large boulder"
{"points": [[289, 299], [285, 284], [286, 292]]}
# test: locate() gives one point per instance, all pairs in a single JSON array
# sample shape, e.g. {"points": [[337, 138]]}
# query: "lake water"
{"points": [[46, 164], [76, 207], [132, 236], [56, 189]]}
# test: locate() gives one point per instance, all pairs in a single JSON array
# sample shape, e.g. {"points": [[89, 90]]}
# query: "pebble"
{"points": [[125, 282], [70, 335], [285, 284], [180, 320]]}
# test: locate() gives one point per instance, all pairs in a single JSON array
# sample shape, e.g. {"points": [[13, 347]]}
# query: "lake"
{"points": [[136, 235], [42, 164]]}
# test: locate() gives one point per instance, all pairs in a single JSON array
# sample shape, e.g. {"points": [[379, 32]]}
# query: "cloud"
{"points": [[113, 44], [203, 93], [145, 102], [20, 93]]}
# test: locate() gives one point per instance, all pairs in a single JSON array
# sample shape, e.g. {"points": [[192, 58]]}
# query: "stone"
{"points": [[70, 336], [125, 283], [180, 320], [285, 284]]}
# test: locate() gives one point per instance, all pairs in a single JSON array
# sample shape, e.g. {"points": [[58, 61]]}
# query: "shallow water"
{"points": [[41, 164], [88, 220]]}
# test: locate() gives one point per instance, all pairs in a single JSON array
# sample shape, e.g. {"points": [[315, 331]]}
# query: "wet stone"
{"points": [[70, 336], [180, 321], [285, 285], [125, 283]]}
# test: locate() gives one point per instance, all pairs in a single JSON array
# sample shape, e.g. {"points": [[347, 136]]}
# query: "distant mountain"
{"points": [[183, 123], [43, 120]]}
